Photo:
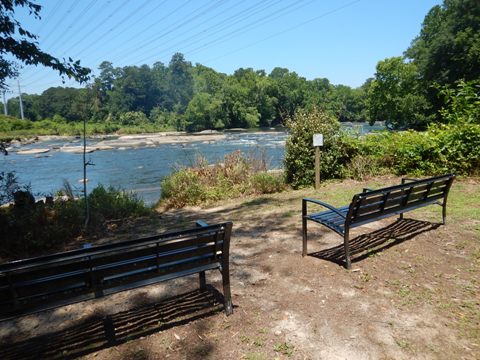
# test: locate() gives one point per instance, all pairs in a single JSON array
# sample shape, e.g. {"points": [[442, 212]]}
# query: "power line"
{"points": [[57, 5], [288, 30], [185, 22], [118, 33], [122, 21], [135, 37], [250, 11], [95, 28], [86, 9], [252, 25], [62, 19]]}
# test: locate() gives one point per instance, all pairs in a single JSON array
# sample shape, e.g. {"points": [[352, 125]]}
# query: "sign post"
{"points": [[317, 142]]}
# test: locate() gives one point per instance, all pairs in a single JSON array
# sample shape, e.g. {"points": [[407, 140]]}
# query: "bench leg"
{"points": [[348, 262], [304, 233], [444, 213], [226, 291], [203, 281]]}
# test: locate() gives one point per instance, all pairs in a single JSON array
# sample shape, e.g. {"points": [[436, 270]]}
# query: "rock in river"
{"points": [[33, 151]]}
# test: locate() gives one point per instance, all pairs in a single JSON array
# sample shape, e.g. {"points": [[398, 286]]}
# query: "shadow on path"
{"points": [[95, 334], [377, 241]]}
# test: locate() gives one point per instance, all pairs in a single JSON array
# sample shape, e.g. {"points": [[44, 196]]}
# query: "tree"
{"points": [[21, 44], [204, 112], [181, 81], [448, 47], [395, 95]]}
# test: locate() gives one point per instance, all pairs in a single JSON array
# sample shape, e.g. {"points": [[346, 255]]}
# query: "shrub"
{"points": [[238, 175], [440, 149], [268, 183], [300, 153], [111, 203], [29, 229]]}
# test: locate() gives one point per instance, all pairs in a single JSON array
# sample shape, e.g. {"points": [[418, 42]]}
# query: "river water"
{"points": [[136, 169]]}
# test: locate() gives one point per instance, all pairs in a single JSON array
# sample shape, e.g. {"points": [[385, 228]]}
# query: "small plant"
{"points": [[268, 183], [284, 348]]}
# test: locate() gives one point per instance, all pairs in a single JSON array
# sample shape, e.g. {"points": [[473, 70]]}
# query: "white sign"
{"points": [[317, 139]]}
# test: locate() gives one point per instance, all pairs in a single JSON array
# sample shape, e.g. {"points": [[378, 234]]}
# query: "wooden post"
{"points": [[317, 142], [317, 167]]}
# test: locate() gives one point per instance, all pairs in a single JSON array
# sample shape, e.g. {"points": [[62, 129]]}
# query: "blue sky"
{"points": [[341, 40]]}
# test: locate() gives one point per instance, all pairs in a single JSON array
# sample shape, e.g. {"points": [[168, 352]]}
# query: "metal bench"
{"points": [[35, 284], [372, 205]]}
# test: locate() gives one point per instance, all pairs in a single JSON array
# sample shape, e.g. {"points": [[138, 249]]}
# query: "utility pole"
{"points": [[20, 98], [5, 111]]}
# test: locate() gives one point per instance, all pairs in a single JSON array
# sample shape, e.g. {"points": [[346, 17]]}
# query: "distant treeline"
{"points": [[183, 96], [406, 91]]}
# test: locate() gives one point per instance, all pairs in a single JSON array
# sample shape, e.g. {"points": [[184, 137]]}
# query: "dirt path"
{"points": [[414, 293]]}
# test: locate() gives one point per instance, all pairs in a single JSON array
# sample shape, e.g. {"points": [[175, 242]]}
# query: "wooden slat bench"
{"points": [[373, 205], [35, 284]]}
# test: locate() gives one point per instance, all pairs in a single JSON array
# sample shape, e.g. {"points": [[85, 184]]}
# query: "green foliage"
{"points": [[395, 95], [133, 118], [268, 183], [441, 149], [237, 176], [300, 154], [28, 229], [204, 112], [111, 203], [448, 47], [462, 103], [8, 186], [181, 96]]}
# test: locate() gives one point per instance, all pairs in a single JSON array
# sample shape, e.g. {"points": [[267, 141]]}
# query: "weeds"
{"points": [[284, 348], [237, 176]]}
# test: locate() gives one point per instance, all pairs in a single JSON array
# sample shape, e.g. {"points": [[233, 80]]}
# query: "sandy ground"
{"points": [[413, 292]]}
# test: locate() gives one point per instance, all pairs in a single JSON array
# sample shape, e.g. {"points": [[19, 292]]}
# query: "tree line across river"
{"points": [[406, 91]]}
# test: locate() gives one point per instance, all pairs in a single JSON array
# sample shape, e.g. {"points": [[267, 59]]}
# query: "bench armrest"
{"points": [[201, 223], [404, 180], [324, 204], [367, 190]]}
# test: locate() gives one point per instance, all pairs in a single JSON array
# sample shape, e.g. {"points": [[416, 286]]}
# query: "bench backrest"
{"points": [[381, 203], [48, 281]]}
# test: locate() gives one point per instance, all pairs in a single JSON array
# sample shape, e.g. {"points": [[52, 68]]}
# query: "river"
{"points": [[138, 169]]}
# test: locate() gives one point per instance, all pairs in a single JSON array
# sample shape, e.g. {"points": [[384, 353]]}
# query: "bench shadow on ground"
{"points": [[101, 332], [366, 245]]}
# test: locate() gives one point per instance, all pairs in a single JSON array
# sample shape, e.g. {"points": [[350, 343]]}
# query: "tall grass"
{"points": [[238, 175]]}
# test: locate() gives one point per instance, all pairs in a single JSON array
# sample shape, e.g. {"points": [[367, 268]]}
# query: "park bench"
{"points": [[45, 282], [372, 205]]}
